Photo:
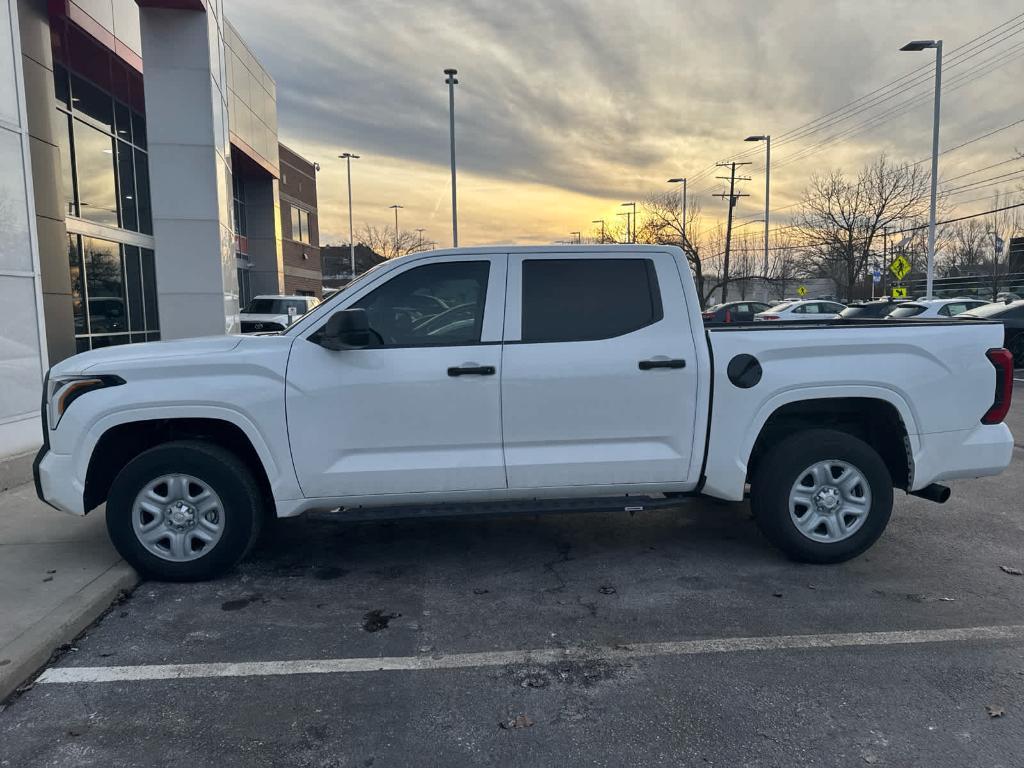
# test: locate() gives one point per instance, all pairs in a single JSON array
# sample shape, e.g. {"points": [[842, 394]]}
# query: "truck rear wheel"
{"points": [[184, 511], [821, 496]]}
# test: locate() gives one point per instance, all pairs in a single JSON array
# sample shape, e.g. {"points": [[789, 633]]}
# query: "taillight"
{"points": [[768, 317], [1002, 360], [728, 316]]}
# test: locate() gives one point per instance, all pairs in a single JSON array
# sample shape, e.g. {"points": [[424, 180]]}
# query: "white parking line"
{"points": [[538, 656]]}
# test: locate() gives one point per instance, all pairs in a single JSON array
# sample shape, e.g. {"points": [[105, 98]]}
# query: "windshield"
{"points": [[907, 310], [276, 306], [993, 310]]}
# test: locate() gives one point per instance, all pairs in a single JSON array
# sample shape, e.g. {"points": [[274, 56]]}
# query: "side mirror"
{"points": [[346, 329]]}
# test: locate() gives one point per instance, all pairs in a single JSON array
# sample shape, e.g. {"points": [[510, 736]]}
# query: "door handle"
{"points": [[647, 365], [471, 370]]}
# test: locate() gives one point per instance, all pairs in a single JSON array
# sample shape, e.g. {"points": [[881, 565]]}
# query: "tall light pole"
{"points": [[767, 191], [920, 45], [682, 206], [396, 208], [452, 82], [420, 231], [632, 237], [348, 157], [601, 222], [579, 236]]}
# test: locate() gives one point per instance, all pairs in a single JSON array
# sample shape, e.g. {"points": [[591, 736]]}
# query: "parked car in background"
{"points": [[1006, 296], [733, 312], [271, 313], [863, 310], [809, 309], [934, 308], [1011, 315]]}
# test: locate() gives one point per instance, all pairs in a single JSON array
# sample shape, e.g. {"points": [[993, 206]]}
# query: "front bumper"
{"points": [[56, 484]]}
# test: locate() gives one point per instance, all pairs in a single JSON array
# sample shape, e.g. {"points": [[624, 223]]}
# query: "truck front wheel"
{"points": [[184, 511], [821, 496]]}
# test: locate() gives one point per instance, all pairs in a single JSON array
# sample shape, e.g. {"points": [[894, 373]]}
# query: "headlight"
{"points": [[61, 391]]}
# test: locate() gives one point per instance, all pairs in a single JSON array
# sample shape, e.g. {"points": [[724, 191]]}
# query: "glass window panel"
{"points": [[67, 178], [133, 284], [94, 162], [122, 121], [138, 130], [149, 290], [587, 299], [152, 337], [138, 338], [92, 102], [77, 295], [82, 344], [296, 227], [104, 285], [60, 86], [126, 186], [436, 304], [8, 90], [142, 193], [14, 232]]}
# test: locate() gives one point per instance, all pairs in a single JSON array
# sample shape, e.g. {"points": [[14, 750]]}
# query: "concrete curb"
{"points": [[33, 648]]}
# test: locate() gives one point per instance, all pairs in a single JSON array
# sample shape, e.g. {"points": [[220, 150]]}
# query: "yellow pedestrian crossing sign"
{"points": [[802, 290], [900, 267], [899, 292]]}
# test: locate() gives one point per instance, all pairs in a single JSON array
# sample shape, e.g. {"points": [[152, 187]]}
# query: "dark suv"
{"points": [[863, 310]]}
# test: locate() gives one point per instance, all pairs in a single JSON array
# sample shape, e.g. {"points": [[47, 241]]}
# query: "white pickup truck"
{"points": [[516, 378]]}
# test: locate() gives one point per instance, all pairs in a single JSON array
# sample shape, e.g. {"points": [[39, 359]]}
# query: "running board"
{"points": [[631, 504]]}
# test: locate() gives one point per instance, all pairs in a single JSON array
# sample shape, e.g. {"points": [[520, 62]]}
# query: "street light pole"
{"points": [[348, 157], [601, 222], [396, 207], [632, 237], [682, 208], [579, 236], [920, 45], [452, 82]]}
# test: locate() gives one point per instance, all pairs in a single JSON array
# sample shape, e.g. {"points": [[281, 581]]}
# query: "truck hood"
{"points": [[109, 358]]}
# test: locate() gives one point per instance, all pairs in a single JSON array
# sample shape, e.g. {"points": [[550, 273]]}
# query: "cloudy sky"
{"points": [[566, 109]]}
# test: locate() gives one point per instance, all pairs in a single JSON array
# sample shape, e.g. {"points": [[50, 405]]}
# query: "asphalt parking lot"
{"points": [[671, 638]]}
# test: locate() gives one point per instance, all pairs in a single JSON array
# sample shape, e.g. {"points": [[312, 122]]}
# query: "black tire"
{"points": [[779, 470], [218, 468]]}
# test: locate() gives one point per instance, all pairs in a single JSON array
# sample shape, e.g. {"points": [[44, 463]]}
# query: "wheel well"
{"points": [[119, 445], [876, 422]]}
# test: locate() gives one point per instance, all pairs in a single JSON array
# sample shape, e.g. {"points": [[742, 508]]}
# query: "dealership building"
{"points": [[144, 194]]}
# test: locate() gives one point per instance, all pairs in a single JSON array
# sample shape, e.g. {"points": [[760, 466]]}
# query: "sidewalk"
{"points": [[58, 573]]}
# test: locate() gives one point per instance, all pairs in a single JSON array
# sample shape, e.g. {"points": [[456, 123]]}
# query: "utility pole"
{"points": [[632, 236], [733, 196], [627, 214], [601, 222]]}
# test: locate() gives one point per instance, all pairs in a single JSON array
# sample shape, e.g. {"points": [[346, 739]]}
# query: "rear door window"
{"points": [[588, 299]]}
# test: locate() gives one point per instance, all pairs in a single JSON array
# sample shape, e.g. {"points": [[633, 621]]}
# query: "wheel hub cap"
{"points": [[829, 501], [178, 517], [181, 515]]}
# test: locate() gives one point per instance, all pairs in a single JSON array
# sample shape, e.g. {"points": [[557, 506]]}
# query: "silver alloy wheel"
{"points": [[830, 501], [178, 518]]}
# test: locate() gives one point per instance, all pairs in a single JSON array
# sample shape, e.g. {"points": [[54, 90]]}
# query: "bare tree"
{"points": [[839, 218], [382, 240], [661, 223]]}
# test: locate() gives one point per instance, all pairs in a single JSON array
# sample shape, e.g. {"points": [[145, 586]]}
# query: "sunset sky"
{"points": [[565, 110]]}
